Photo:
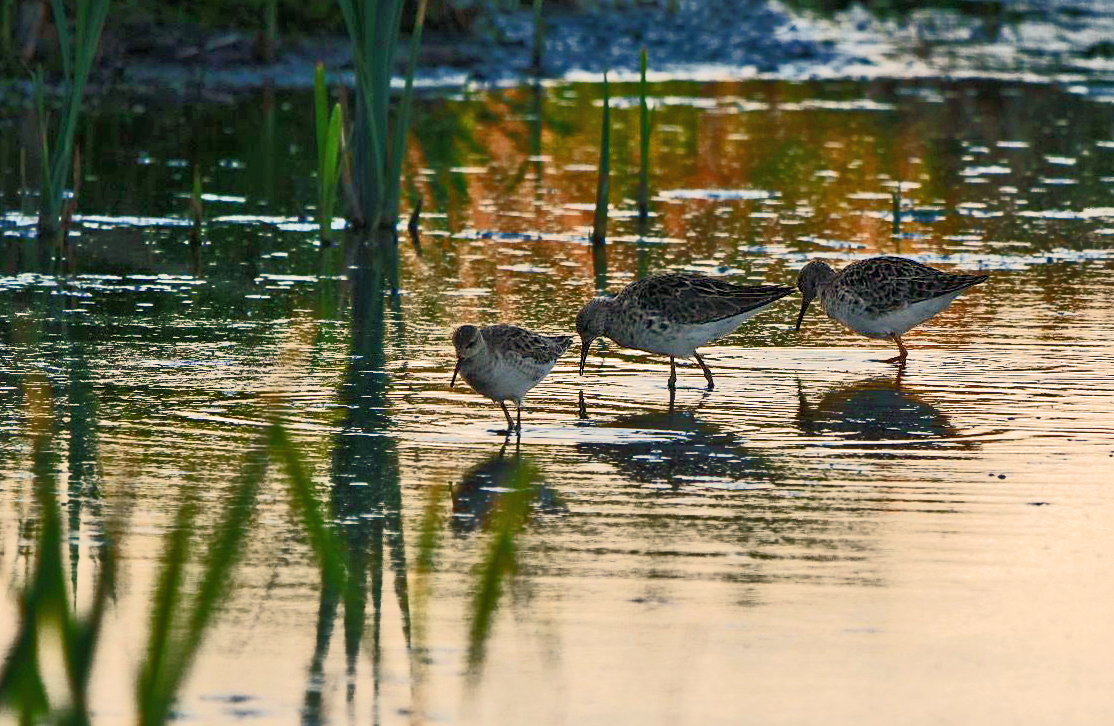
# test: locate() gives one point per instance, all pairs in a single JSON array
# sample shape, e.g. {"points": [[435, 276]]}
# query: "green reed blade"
{"points": [[78, 49], [500, 561], [227, 547], [320, 109], [603, 185], [43, 603], [429, 531], [177, 632], [644, 124], [150, 684], [82, 634], [539, 35], [43, 600], [402, 123], [323, 540], [62, 27], [330, 128], [373, 29], [331, 172]]}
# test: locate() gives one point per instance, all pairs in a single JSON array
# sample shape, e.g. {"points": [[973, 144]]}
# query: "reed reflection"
{"points": [[366, 497], [83, 481]]}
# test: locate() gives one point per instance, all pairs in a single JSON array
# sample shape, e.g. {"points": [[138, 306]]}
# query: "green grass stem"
{"points": [[539, 36], [603, 184], [44, 601], [323, 540], [373, 29], [500, 562], [78, 48], [330, 129], [402, 125], [895, 199], [645, 117], [179, 624]]}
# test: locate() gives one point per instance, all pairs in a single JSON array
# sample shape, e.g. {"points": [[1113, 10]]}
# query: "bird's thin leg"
{"points": [[899, 359], [518, 424], [672, 374], [510, 421], [707, 373]]}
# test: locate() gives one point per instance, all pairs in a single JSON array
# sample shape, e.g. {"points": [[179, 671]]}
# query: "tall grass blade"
{"points": [[500, 561], [178, 628], [82, 634], [539, 36], [326, 546], [330, 130], [320, 110], [78, 49], [167, 597], [644, 126], [603, 185], [373, 29], [62, 27], [44, 602], [402, 121], [895, 199]]}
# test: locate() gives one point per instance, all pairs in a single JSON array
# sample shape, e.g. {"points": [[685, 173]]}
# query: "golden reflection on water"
{"points": [[822, 538]]}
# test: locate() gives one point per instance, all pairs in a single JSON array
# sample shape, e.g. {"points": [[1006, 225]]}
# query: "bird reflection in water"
{"points": [[486, 483], [679, 449], [879, 408]]}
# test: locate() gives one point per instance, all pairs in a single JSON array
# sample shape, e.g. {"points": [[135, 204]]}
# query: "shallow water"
{"points": [[824, 537]]}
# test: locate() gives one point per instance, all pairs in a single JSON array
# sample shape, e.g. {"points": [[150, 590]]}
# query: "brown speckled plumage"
{"points": [[881, 297], [694, 299], [503, 362], [673, 314]]}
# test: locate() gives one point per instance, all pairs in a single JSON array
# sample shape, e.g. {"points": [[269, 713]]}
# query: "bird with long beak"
{"points": [[503, 362], [881, 297], [673, 314]]}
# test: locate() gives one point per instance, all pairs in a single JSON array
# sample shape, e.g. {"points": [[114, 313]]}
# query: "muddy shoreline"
{"points": [[730, 39]]}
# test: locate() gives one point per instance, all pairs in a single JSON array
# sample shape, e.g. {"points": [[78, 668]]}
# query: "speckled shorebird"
{"points": [[673, 314], [882, 297], [503, 362]]}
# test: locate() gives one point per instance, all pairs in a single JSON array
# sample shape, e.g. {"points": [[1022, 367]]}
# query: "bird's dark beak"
{"points": [[804, 308], [585, 344], [455, 371]]}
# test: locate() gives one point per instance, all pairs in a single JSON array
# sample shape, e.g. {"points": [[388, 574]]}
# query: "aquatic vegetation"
{"points": [[78, 47], [270, 32], [45, 606], [500, 562], [645, 115], [330, 142], [179, 616], [896, 199], [379, 148], [539, 35], [179, 621], [603, 184]]}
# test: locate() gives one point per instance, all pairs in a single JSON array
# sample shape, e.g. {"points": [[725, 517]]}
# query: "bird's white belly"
{"points": [[503, 380], [894, 322], [681, 340]]}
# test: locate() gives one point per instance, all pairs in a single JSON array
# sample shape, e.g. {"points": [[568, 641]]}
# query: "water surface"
{"points": [[824, 537]]}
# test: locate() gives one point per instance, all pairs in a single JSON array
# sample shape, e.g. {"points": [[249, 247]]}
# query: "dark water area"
{"points": [[824, 537]]}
